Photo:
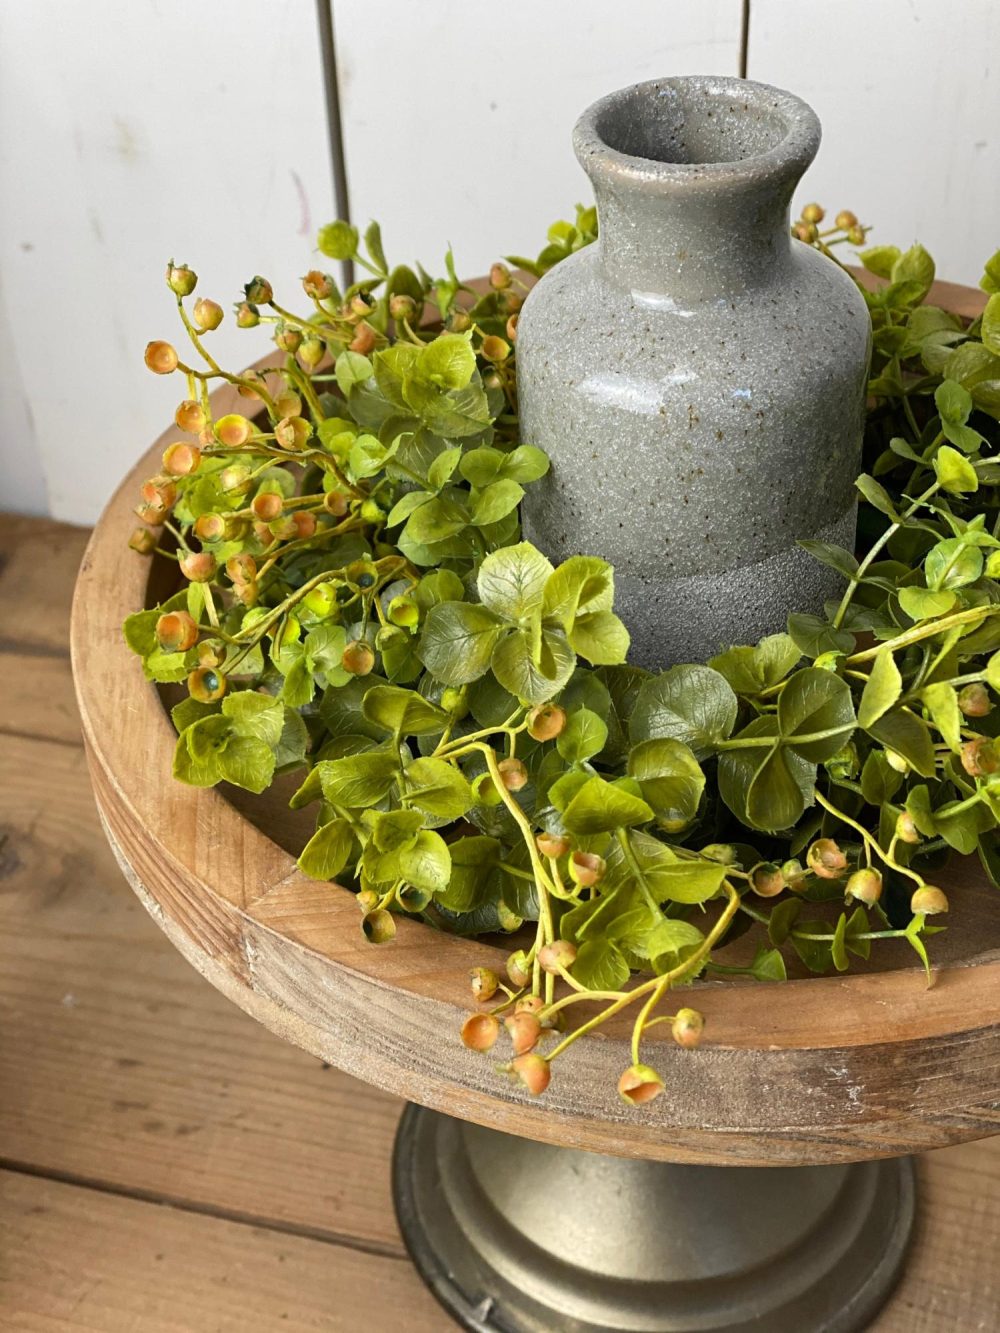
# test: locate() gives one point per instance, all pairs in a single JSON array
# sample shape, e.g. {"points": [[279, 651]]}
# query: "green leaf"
{"points": [[373, 244], [496, 502], [671, 942], [752, 670], [443, 466], [834, 557], [584, 735], [781, 920], [671, 780], [254, 714], [882, 688], [392, 829], [912, 936], [766, 787], [338, 240], [953, 402], [600, 638], [669, 878], [351, 368], [524, 464], [815, 702], [600, 965], [581, 585], [533, 679], [838, 947], [907, 734], [877, 496], [512, 581], [768, 965], [924, 603], [458, 640], [879, 780], [139, 630], [438, 788], [880, 259], [990, 328], [426, 862], [990, 281], [914, 266], [600, 807], [448, 362], [814, 636], [693, 704], [247, 762], [815, 953], [952, 563], [941, 701], [200, 772], [358, 780], [954, 471], [473, 863], [403, 711], [327, 851]]}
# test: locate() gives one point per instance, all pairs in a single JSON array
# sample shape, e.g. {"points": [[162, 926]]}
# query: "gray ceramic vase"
{"points": [[697, 376]]}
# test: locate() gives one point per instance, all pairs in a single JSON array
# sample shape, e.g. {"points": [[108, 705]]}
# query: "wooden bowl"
{"points": [[826, 1069]]}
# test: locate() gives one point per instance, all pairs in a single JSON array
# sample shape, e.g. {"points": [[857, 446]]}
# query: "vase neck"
{"points": [[693, 179]]}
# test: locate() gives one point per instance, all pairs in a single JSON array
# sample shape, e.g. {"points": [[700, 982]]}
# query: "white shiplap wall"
{"points": [[132, 133], [909, 95], [198, 128], [464, 135]]}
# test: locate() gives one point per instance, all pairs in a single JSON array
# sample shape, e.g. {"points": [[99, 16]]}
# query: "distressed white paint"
{"points": [[457, 114], [22, 483], [909, 95], [133, 132]]}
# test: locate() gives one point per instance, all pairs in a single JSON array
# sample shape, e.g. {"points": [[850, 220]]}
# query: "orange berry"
{"points": [[928, 901], [176, 632], [766, 879], [206, 685], [143, 541], [198, 566], [161, 358], [363, 340], [207, 314], [210, 527], [318, 285], [533, 1071], [480, 1031], [484, 983], [181, 458], [358, 658], [639, 1084], [546, 722], [560, 954], [267, 506], [513, 774], [687, 1028], [552, 844], [586, 869], [233, 430], [825, 859], [190, 416], [292, 432], [865, 886], [524, 1030], [305, 524]]}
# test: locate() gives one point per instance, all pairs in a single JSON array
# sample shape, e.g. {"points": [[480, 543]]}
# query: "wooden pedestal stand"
{"points": [[573, 1211]]}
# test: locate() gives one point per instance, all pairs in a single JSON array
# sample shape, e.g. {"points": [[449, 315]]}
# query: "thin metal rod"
{"points": [[744, 38], [334, 121]]}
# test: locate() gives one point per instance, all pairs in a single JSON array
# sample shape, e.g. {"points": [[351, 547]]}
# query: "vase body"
{"points": [[697, 376]]}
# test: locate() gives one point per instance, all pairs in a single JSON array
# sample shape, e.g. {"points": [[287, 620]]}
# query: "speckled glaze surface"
{"points": [[697, 376]]}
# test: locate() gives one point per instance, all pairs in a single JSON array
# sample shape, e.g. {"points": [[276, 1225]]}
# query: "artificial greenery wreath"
{"points": [[356, 604]]}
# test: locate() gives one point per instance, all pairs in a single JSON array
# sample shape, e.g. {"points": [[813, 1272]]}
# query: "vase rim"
{"points": [[761, 134]]}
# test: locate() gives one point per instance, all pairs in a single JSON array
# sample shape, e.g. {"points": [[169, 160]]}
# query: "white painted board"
{"points": [[133, 133], [457, 115], [909, 95]]}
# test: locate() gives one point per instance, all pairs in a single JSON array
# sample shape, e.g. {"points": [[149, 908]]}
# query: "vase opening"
{"points": [[691, 126]]}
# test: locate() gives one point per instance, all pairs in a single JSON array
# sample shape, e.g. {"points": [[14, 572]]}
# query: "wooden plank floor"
{"points": [[166, 1163]]}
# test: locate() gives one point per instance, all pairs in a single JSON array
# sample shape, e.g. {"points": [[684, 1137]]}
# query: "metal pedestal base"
{"points": [[514, 1236]]}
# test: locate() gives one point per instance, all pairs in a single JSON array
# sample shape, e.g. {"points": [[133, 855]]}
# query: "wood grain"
{"points": [[148, 1083], [77, 1259], [38, 561], [118, 1065], [836, 1068]]}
